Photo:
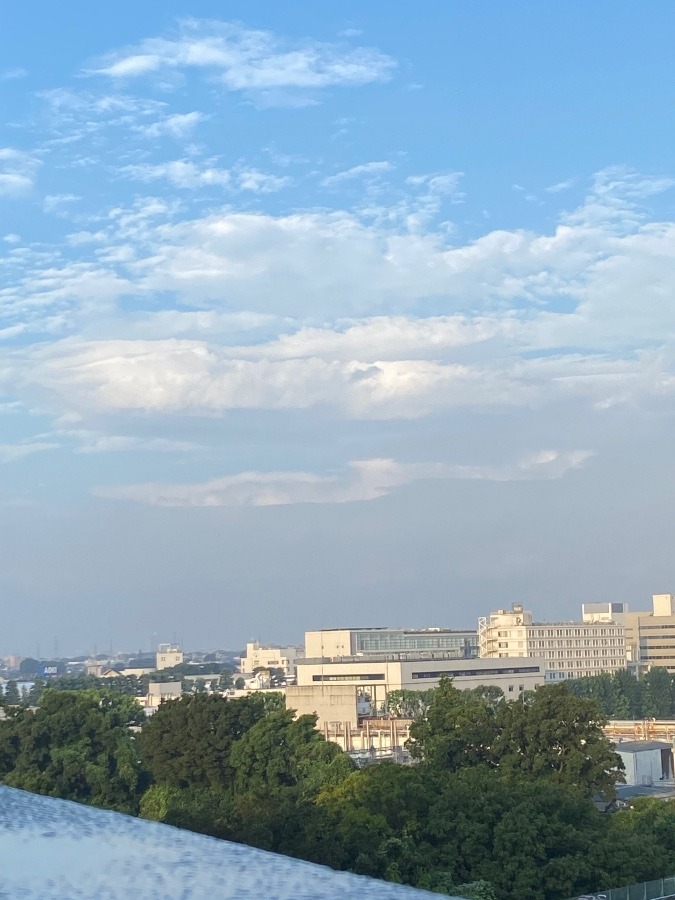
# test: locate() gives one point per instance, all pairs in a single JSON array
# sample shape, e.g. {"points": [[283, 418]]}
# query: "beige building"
{"points": [[373, 642], [168, 656], [258, 657], [352, 688], [570, 649], [158, 692], [650, 636]]}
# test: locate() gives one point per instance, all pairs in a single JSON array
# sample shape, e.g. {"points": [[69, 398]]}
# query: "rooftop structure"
{"points": [[347, 642], [604, 612]]}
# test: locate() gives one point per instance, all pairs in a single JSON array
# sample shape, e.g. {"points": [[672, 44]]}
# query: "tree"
{"points": [[558, 736], [280, 751], [408, 704], [12, 696], [187, 742], [77, 746], [35, 692], [657, 701], [458, 729]]}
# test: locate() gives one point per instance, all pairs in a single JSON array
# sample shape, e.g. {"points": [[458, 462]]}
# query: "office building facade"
{"points": [[570, 649]]}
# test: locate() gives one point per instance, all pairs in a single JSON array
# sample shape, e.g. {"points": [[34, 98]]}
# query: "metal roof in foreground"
{"points": [[56, 849]]}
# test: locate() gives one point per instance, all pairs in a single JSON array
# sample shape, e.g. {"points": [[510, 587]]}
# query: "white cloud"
{"points": [[251, 61], [55, 202], [560, 186], [17, 171], [260, 182], [97, 442], [524, 317], [364, 480], [13, 452], [188, 175], [178, 125], [369, 169], [181, 173]]}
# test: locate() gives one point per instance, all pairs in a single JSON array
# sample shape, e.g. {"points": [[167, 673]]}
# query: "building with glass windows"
{"points": [[336, 643]]}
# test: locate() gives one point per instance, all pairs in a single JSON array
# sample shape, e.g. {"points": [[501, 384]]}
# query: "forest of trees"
{"points": [[499, 805], [621, 695]]}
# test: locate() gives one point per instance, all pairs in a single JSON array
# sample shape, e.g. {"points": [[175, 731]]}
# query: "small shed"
{"points": [[646, 762]]}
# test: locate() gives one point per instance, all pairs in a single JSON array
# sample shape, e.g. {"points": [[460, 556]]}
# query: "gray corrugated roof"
{"points": [[636, 746]]}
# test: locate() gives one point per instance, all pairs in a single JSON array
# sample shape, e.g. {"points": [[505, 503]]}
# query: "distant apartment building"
{"points": [[168, 656], [259, 657], [650, 636], [570, 649], [335, 643]]}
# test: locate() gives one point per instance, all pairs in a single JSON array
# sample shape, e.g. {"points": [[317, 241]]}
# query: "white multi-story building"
{"points": [[258, 657], [570, 649]]}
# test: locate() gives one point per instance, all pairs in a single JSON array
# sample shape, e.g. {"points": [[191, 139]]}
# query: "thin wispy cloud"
{"points": [[13, 74], [10, 453], [363, 481], [369, 170], [251, 61]]}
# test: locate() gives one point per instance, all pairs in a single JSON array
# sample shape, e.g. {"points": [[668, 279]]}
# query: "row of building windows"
{"points": [[589, 631], [355, 677], [367, 642], [449, 673]]}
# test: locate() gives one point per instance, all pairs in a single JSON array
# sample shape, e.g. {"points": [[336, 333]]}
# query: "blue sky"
{"points": [[321, 315]]}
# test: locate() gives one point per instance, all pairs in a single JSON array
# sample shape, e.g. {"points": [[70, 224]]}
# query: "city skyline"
{"points": [[320, 317]]}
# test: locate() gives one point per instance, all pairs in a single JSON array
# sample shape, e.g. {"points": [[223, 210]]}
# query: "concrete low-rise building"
{"points": [[348, 689], [646, 762]]}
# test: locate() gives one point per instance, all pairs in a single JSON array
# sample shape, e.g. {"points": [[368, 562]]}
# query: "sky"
{"points": [[319, 315]]}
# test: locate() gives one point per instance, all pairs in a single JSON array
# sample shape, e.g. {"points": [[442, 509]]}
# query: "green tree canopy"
{"points": [[559, 736], [12, 696], [77, 746], [458, 729], [187, 742], [281, 751]]}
